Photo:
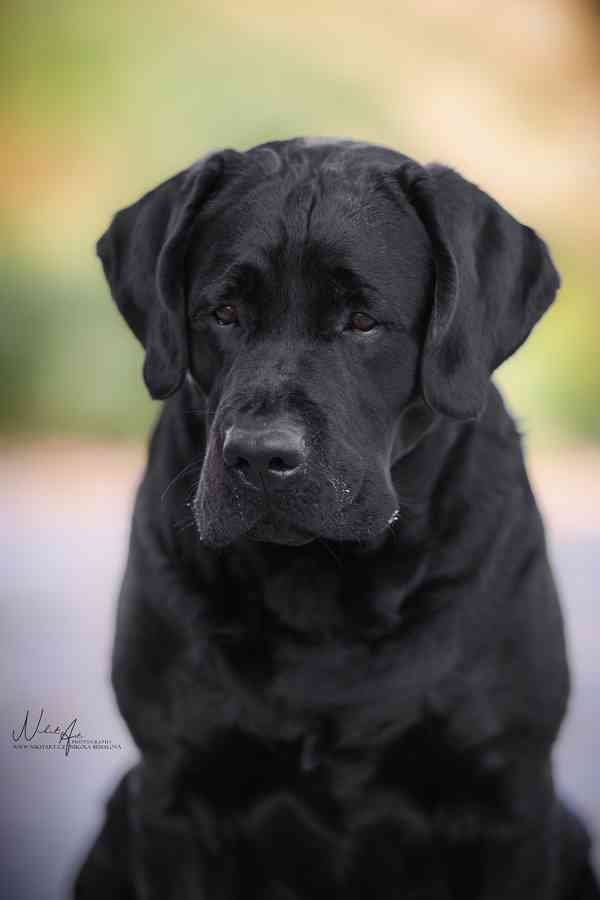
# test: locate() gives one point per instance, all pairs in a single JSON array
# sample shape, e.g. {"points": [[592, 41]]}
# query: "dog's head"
{"points": [[330, 299]]}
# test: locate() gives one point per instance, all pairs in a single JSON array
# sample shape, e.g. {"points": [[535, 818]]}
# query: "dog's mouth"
{"points": [[274, 529]]}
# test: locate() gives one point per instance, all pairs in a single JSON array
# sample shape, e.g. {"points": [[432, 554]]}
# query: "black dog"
{"points": [[339, 646]]}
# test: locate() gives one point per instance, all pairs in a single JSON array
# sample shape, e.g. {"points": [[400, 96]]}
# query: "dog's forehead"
{"points": [[317, 211]]}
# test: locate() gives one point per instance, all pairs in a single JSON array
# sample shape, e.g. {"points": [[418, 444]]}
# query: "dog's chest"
{"points": [[327, 782], [309, 734], [281, 684], [302, 656]]}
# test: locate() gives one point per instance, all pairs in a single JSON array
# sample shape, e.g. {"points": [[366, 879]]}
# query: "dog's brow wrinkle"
{"points": [[233, 278]]}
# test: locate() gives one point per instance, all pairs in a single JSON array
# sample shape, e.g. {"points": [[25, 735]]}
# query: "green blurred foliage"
{"points": [[553, 382], [102, 101]]}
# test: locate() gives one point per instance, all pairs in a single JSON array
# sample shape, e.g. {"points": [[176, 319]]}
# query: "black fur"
{"points": [[346, 684]]}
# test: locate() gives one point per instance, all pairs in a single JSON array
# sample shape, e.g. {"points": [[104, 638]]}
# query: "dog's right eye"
{"points": [[226, 314], [360, 321]]}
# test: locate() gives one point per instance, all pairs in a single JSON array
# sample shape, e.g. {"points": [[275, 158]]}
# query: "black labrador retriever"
{"points": [[339, 646]]}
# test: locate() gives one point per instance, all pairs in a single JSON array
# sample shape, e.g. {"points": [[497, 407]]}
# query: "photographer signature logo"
{"points": [[66, 737]]}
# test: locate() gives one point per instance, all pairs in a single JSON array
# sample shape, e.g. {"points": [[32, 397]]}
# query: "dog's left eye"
{"points": [[360, 321], [226, 314]]}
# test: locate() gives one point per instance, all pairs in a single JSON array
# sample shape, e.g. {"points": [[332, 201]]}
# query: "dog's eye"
{"points": [[360, 321], [226, 314]]}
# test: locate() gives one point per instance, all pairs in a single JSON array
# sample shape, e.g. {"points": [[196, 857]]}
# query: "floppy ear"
{"points": [[494, 280], [143, 253]]}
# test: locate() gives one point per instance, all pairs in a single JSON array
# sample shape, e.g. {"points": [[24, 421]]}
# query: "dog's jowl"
{"points": [[339, 647]]}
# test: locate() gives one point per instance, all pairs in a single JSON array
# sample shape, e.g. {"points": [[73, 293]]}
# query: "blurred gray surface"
{"points": [[63, 529]]}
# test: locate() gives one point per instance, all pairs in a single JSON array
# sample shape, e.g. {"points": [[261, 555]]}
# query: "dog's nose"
{"points": [[270, 454]]}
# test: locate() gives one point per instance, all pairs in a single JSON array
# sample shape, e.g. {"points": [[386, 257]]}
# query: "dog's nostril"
{"points": [[241, 464]]}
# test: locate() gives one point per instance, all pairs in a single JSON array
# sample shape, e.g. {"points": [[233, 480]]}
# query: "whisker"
{"points": [[200, 410], [324, 543], [176, 478], [182, 526]]}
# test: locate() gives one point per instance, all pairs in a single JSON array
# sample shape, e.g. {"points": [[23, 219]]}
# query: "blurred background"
{"points": [[103, 101]]}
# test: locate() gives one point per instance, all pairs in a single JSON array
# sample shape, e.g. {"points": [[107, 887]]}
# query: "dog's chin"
{"points": [[278, 532]]}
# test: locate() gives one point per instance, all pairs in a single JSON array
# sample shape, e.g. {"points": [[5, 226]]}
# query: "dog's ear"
{"points": [[494, 279], [143, 254]]}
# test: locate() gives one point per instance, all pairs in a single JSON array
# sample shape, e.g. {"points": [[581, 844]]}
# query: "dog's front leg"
{"points": [[179, 846], [550, 862], [106, 869], [152, 848], [530, 848]]}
